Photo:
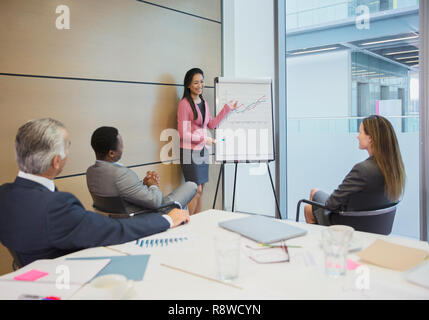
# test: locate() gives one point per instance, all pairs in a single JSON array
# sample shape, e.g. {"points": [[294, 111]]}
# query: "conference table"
{"points": [[186, 270]]}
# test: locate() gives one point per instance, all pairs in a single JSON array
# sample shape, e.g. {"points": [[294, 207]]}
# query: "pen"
{"points": [[277, 246]]}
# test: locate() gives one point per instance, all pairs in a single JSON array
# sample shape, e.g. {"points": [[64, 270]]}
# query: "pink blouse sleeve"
{"points": [[214, 122]]}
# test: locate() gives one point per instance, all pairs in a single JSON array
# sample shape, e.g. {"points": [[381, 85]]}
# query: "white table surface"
{"points": [[297, 279]]}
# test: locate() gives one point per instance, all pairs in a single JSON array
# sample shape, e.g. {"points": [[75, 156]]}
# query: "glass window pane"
{"points": [[345, 62]]}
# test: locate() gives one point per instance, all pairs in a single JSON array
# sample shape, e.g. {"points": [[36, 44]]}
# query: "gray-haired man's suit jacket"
{"points": [[109, 179]]}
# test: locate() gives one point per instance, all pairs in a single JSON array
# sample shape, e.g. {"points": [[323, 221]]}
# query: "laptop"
{"points": [[262, 229]]}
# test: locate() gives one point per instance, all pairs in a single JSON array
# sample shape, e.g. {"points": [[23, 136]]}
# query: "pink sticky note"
{"points": [[31, 275], [351, 265]]}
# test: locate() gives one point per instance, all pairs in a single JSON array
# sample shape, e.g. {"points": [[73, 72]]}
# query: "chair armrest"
{"points": [[313, 203], [390, 209]]}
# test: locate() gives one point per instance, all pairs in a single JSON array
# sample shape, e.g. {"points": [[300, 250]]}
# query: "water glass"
{"points": [[335, 243], [227, 251]]}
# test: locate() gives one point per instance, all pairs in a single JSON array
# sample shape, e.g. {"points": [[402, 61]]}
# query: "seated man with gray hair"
{"points": [[108, 178], [39, 222]]}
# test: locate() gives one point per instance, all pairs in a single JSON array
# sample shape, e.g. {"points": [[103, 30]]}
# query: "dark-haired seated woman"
{"points": [[375, 183]]}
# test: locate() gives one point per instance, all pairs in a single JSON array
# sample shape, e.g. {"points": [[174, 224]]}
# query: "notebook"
{"points": [[262, 229]]}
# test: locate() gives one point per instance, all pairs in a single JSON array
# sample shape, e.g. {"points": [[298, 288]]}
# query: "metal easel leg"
{"points": [[218, 181], [278, 216], [235, 182]]}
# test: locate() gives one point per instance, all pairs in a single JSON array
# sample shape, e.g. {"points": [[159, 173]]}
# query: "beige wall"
{"points": [[121, 64]]}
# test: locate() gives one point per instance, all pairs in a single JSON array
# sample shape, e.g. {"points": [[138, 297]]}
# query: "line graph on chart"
{"points": [[246, 108], [253, 108], [246, 132]]}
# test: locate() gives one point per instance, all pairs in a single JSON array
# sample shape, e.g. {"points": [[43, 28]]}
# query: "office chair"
{"points": [[116, 208], [16, 263], [375, 221]]}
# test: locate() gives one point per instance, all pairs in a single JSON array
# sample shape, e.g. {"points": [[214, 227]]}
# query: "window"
{"points": [[347, 60]]}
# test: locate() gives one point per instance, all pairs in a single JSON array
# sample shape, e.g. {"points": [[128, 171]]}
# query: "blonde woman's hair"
{"points": [[387, 154]]}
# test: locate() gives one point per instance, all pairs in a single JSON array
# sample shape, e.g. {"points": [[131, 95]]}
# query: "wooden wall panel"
{"points": [[135, 48], [140, 112], [108, 39], [121, 64], [210, 9], [5, 261]]}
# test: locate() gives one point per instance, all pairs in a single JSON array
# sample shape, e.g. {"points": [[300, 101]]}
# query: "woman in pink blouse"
{"points": [[193, 119]]}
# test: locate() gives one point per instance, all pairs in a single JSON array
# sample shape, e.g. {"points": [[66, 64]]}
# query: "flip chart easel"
{"points": [[253, 116]]}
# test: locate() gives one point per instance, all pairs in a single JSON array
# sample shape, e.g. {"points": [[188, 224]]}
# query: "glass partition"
{"points": [[339, 72], [304, 13], [322, 151]]}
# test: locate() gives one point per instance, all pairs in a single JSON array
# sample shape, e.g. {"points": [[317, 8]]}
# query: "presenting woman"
{"points": [[193, 119], [375, 183]]}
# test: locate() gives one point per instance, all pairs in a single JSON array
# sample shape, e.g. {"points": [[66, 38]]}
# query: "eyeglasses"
{"points": [[270, 253]]}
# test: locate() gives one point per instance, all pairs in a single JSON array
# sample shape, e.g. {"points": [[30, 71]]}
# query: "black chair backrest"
{"points": [[108, 204], [376, 221]]}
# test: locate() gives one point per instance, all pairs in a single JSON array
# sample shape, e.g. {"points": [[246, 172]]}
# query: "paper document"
{"points": [[419, 274], [43, 278], [159, 243], [392, 256], [132, 267]]}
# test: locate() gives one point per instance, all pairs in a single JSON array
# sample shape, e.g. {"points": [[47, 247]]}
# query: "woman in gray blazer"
{"points": [[375, 183]]}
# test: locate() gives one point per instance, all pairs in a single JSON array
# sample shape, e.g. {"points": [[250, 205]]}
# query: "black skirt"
{"points": [[195, 165]]}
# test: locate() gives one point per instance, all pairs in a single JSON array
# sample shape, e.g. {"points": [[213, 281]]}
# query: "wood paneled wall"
{"points": [[121, 64]]}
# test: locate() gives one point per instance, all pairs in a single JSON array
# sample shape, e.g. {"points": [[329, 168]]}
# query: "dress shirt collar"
{"points": [[48, 183], [117, 163]]}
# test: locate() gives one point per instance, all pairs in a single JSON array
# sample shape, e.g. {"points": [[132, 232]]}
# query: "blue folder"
{"points": [[132, 267]]}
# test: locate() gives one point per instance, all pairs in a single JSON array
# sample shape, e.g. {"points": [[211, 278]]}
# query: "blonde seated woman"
{"points": [[378, 182]]}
